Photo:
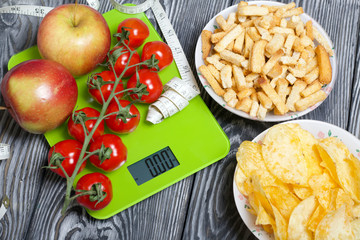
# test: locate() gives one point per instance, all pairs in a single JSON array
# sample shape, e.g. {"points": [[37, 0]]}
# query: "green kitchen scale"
{"points": [[158, 155]]}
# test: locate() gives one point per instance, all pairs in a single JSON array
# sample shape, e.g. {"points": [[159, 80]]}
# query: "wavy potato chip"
{"points": [[280, 229], [249, 158], [302, 192], [335, 225], [344, 167], [240, 178], [297, 228], [282, 154], [316, 218], [355, 225], [321, 186]]}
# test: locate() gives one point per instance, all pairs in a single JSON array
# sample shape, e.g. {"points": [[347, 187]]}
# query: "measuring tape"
{"points": [[178, 92]]}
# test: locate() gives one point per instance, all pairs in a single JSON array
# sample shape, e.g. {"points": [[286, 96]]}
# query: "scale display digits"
{"points": [[153, 165]]}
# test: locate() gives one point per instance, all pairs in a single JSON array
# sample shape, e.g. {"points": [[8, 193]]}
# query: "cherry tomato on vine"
{"points": [[162, 53], [126, 118], [108, 160], [122, 60], [101, 191], [67, 154], [153, 85], [139, 31], [76, 129], [106, 88]]}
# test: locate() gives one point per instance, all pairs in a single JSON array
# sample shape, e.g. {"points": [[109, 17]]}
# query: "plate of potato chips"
{"points": [[266, 61], [300, 180]]}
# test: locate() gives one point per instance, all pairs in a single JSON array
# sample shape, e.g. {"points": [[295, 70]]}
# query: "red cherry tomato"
{"points": [[67, 152], [76, 130], [107, 76], [117, 157], [153, 85], [89, 182], [116, 122], [122, 60], [162, 53], [139, 31]]}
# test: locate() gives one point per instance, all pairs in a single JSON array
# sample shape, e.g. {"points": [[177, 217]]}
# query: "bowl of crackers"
{"points": [[299, 180], [266, 61]]}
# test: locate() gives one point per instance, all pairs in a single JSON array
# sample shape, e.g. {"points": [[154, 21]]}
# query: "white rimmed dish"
{"points": [[270, 117], [319, 130]]}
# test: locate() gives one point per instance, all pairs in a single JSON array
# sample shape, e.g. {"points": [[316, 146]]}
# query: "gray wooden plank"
{"points": [[212, 213]]}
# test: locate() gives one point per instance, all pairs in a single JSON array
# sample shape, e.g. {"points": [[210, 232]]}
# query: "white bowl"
{"points": [[319, 130], [270, 117]]}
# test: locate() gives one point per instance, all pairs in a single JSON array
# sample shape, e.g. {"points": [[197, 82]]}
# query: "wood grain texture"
{"points": [[202, 205]]}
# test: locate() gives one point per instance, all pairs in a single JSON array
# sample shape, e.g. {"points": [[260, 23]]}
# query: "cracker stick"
{"points": [[249, 43], [229, 94], [214, 72], [252, 11], [239, 43], [272, 61], [282, 75], [282, 88], [312, 88], [264, 100], [254, 109], [311, 100], [232, 57], [324, 65], [238, 77], [281, 30], [244, 105], [230, 46], [231, 19], [294, 96], [290, 39], [261, 114], [253, 33], [264, 33], [312, 76], [228, 38], [257, 58], [211, 80], [217, 36], [311, 65], [254, 97], [292, 12], [271, 93], [245, 92], [205, 43], [275, 44], [214, 59], [252, 77], [321, 39], [309, 30], [225, 76], [221, 22], [275, 71]]}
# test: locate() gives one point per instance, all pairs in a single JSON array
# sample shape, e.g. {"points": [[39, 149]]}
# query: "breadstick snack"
{"points": [[266, 60]]}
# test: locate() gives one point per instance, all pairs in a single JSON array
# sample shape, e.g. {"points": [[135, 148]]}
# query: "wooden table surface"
{"points": [[198, 207]]}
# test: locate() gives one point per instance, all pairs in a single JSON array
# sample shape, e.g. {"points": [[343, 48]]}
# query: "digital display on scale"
{"points": [[153, 165]]}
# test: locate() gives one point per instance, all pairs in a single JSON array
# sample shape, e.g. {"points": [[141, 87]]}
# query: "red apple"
{"points": [[39, 94], [77, 36]]}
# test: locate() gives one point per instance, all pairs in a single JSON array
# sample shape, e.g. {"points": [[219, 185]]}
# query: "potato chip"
{"points": [[249, 158], [316, 218], [284, 201], [239, 180], [280, 229], [282, 153], [344, 167], [263, 217], [297, 228], [302, 192], [308, 143], [355, 225], [335, 225], [355, 211], [321, 185]]}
